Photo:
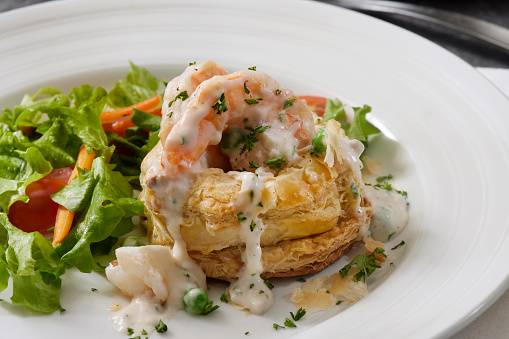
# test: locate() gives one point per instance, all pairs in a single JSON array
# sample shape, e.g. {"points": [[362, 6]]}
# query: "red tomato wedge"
{"points": [[315, 104], [39, 213]]}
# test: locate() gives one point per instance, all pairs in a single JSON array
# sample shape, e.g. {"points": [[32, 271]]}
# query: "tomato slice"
{"points": [[315, 104], [39, 213], [62, 174]]}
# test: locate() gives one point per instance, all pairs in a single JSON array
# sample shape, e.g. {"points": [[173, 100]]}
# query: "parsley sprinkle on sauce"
{"points": [[253, 101], [288, 102], [241, 217], [161, 327], [251, 138], [182, 96], [220, 105], [275, 163]]}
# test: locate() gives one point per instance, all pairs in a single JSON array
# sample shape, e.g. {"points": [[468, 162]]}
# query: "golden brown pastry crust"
{"points": [[310, 214]]}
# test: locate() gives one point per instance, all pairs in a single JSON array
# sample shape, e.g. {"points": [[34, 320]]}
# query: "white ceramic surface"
{"points": [[446, 144]]}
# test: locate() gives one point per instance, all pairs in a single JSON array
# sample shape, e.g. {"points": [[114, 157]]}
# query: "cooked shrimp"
{"points": [[180, 88], [257, 119]]}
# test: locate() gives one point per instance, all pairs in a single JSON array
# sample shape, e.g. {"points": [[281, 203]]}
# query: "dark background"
{"points": [[475, 52]]}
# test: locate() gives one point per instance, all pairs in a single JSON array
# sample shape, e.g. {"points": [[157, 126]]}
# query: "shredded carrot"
{"points": [[147, 105], [65, 217]]}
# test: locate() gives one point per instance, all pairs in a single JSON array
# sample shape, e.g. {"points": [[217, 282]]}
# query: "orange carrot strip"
{"points": [[64, 218], [118, 126], [147, 105], [121, 124]]}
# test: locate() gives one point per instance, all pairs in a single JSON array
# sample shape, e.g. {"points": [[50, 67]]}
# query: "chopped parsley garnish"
{"points": [[252, 226], [390, 235], [220, 105], [192, 63], [246, 90], [300, 313], [161, 327], [384, 178], [260, 204], [224, 298], [93, 289], [210, 307], [278, 91], [289, 323], [275, 163], [143, 332], [251, 286], [246, 333], [328, 292], [282, 117], [276, 326], [388, 187], [253, 164], [398, 245], [366, 264], [130, 331], [187, 275], [261, 291], [241, 217], [252, 68], [169, 114], [182, 95], [269, 284], [251, 137], [288, 102], [254, 101], [183, 141], [302, 280], [339, 302], [355, 189]]}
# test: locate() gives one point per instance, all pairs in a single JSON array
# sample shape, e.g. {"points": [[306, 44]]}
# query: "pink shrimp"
{"points": [[248, 101]]}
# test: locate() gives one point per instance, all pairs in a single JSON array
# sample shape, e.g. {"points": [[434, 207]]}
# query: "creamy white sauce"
{"points": [[249, 291], [155, 281], [390, 213]]}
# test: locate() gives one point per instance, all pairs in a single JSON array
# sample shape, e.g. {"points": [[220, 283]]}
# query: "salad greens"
{"points": [[359, 128], [44, 132]]}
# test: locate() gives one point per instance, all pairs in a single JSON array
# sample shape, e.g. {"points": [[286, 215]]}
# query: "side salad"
{"points": [[41, 143]]}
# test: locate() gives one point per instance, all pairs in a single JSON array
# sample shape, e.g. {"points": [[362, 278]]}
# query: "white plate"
{"points": [[448, 146]]}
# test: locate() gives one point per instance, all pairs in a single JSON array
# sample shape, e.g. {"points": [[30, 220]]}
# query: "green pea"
{"points": [[197, 301], [232, 139], [318, 142]]}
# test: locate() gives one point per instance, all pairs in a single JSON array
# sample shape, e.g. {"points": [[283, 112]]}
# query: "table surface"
{"points": [[493, 323]]}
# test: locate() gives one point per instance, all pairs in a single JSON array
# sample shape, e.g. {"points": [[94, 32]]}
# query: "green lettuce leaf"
{"points": [[108, 205], [145, 120], [359, 128], [34, 266], [139, 85]]}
